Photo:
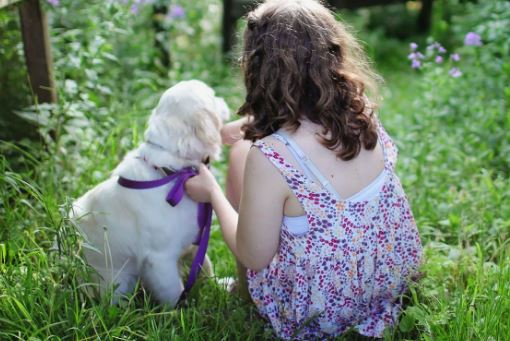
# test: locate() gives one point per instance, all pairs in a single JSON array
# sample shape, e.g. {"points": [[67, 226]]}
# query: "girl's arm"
{"points": [[253, 235]]}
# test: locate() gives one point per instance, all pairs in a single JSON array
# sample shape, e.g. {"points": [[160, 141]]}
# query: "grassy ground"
{"points": [[455, 179]]}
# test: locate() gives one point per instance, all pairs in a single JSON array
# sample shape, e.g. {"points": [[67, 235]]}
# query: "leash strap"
{"points": [[204, 223], [174, 196]]}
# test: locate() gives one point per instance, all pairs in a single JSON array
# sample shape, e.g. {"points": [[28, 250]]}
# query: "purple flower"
{"points": [[432, 46], [439, 59], [416, 64], [413, 46], [436, 46], [134, 9], [455, 57], [415, 55], [176, 12], [455, 72], [472, 39], [54, 2]]}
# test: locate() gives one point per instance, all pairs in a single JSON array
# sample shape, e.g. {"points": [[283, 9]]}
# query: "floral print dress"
{"points": [[349, 269]]}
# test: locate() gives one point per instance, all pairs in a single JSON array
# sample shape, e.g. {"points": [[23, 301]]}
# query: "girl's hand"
{"points": [[201, 187], [231, 132]]}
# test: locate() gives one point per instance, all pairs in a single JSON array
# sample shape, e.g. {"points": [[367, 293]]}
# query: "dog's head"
{"points": [[187, 121]]}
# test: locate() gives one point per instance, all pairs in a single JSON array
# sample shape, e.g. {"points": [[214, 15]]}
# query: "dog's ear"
{"points": [[222, 108], [187, 121], [206, 128], [193, 136], [206, 124]]}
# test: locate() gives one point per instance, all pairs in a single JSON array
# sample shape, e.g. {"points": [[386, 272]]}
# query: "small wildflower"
{"points": [[455, 72], [134, 9], [472, 39], [176, 12], [416, 64], [415, 55], [436, 46], [413, 46], [455, 57], [432, 46], [439, 59], [54, 3]]}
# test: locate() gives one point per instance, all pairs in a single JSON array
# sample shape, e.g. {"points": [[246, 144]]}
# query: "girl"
{"points": [[324, 226]]}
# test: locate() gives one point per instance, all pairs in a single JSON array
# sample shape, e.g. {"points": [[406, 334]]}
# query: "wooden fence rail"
{"points": [[235, 9], [5, 3]]}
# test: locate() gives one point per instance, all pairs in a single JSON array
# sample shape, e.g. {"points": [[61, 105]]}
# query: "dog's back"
{"points": [[131, 234]]}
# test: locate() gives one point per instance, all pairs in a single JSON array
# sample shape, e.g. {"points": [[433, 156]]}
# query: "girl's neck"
{"points": [[308, 128]]}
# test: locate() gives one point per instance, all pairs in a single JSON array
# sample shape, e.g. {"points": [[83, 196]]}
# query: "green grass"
{"points": [[453, 175]]}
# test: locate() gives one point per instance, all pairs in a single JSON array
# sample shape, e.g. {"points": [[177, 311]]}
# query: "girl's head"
{"points": [[301, 63]]}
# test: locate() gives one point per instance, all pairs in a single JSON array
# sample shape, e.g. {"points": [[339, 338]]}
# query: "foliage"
{"points": [[454, 164], [456, 171], [14, 91]]}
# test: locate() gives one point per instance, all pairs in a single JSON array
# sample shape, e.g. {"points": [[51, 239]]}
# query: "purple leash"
{"points": [[173, 197]]}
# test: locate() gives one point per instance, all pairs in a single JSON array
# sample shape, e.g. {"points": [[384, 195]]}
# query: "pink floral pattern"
{"points": [[349, 269]]}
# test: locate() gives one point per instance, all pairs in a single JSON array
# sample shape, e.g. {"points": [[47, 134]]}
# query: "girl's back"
{"points": [[348, 259], [347, 178]]}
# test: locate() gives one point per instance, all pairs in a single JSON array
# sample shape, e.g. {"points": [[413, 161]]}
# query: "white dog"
{"points": [[135, 234]]}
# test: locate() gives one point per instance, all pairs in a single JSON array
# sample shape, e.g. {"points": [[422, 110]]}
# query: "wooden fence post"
{"points": [[228, 26], [158, 13], [425, 16], [36, 44]]}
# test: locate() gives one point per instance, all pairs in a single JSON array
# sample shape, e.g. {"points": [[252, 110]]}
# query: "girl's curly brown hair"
{"points": [[299, 62]]}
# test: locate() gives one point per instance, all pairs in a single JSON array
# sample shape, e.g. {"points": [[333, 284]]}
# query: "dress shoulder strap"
{"points": [[306, 163], [298, 154], [389, 147], [298, 182]]}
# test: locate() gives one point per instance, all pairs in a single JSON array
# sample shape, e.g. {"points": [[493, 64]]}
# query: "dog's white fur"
{"points": [[132, 234]]}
